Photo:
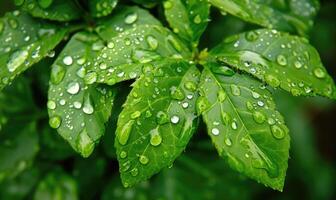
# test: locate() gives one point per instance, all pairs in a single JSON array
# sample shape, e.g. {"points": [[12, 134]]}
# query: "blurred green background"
{"points": [[53, 171]]}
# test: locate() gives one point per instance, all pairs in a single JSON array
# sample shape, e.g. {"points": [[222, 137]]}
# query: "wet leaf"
{"points": [[57, 10], [56, 185], [279, 59], [25, 41], [245, 126], [101, 8], [77, 108], [187, 18], [157, 121], [288, 16]]}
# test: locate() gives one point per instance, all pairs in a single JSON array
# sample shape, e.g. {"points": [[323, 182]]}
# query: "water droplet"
{"points": [[176, 93], [73, 88], [135, 114], [259, 117], [174, 43], [235, 90], [67, 60], [174, 119], [191, 86], [123, 154], [51, 104], [134, 172], [185, 105], [319, 73], [202, 104], [55, 122], [298, 64], [162, 118], [221, 95], [85, 144], [215, 131], [228, 142], [125, 132], [87, 108], [251, 36], [249, 105], [277, 132], [143, 160], [156, 138], [281, 59], [168, 5], [77, 104], [234, 125], [16, 60], [152, 42], [224, 70], [57, 74], [272, 80], [13, 23], [225, 118], [197, 19], [131, 18]]}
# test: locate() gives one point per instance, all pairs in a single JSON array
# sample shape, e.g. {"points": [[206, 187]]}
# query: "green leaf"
{"points": [[134, 51], [18, 147], [157, 121], [279, 59], [188, 18], [57, 10], [244, 125], [101, 8], [291, 16], [78, 108], [57, 185], [123, 18], [25, 41]]}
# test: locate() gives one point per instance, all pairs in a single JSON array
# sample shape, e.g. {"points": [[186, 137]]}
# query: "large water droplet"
{"points": [[277, 132], [73, 88], [55, 121], [90, 78], [319, 72], [215, 131], [57, 74], [225, 118], [131, 18], [156, 138], [88, 108], [67, 60], [143, 160], [235, 90], [51, 104], [125, 132], [272, 80], [259, 117], [281, 59], [174, 119], [16, 60], [224, 70], [85, 144], [152, 42]]}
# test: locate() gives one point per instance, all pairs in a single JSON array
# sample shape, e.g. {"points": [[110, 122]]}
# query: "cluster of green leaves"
{"points": [[230, 87]]}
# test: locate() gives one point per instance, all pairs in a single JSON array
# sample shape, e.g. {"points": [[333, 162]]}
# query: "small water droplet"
{"points": [[55, 122], [135, 114], [235, 90], [281, 59], [277, 132], [319, 73], [134, 172], [228, 142], [51, 104], [225, 118], [223, 70], [67, 60], [123, 154], [73, 88], [176, 93], [143, 160], [215, 131], [174, 119], [259, 117], [252, 36], [197, 19], [298, 64], [234, 125], [88, 108], [272, 80]]}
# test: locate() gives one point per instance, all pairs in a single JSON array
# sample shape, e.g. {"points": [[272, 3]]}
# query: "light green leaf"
{"points": [[123, 18], [57, 10], [78, 109], [18, 147], [25, 41], [158, 119], [101, 8], [291, 16], [188, 18], [279, 59], [244, 125], [57, 185], [134, 51]]}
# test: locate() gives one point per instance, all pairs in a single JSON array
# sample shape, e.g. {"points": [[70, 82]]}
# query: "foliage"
{"points": [[96, 49]]}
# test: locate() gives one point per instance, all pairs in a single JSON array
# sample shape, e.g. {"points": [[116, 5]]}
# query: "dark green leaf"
{"points": [[157, 121], [133, 51], [290, 16], [101, 8], [244, 125], [77, 108], [279, 59], [188, 18], [57, 185], [25, 41], [18, 147], [58, 10]]}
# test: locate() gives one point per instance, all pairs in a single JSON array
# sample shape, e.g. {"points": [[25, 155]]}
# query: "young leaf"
{"points": [[25, 41], [244, 125], [101, 8], [57, 10], [158, 119], [18, 147], [279, 59], [295, 16], [123, 18], [188, 18], [57, 185], [78, 109], [133, 51]]}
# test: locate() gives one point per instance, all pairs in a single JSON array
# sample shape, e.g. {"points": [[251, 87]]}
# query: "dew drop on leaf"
{"points": [[221, 95], [67, 60], [162, 118], [319, 73], [123, 154], [152, 42], [174, 119], [202, 104], [225, 118], [197, 19], [281, 59], [259, 117], [228, 142], [224, 70], [277, 132], [87, 108], [55, 122], [156, 138], [272, 80], [251, 36], [16, 60], [131, 18], [234, 125], [143, 160], [135, 114], [134, 172], [57, 74], [51, 105], [191, 86], [215, 131], [235, 90], [176, 93], [73, 88], [124, 134]]}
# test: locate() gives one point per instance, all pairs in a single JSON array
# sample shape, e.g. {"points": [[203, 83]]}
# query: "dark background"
{"points": [[312, 165]]}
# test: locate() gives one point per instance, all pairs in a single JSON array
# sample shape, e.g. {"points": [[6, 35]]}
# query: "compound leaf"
{"points": [[291, 16], [133, 51], [279, 59], [158, 119], [25, 41], [57, 10], [101, 8], [57, 185], [77, 108], [244, 125], [188, 18]]}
